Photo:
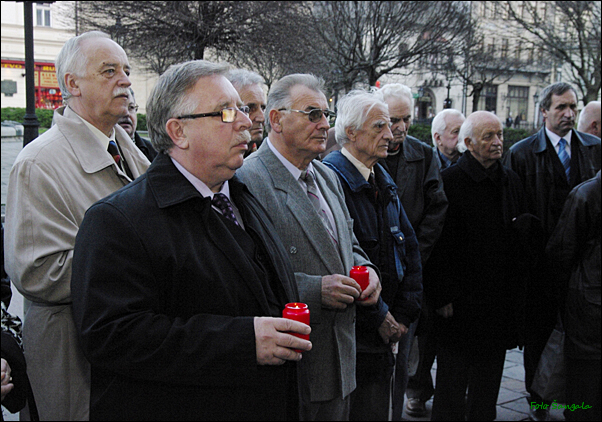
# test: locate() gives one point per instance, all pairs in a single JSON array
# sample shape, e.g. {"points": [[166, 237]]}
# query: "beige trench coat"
{"points": [[52, 183]]}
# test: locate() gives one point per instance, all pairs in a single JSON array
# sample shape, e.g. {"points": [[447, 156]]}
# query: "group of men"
{"points": [[157, 290]]}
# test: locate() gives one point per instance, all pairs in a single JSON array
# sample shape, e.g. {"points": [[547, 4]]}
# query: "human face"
{"points": [[560, 118], [254, 97], [100, 96], [129, 122], [400, 112], [371, 141], [448, 140], [304, 140], [207, 147], [488, 137]]}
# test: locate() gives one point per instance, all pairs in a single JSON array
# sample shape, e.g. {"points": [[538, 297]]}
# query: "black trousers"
{"points": [[420, 386], [582, 389], [478, 370], [370, 399]]}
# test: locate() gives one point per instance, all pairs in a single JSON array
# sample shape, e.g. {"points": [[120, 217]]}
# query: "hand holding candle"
{"points": [[360, 274], [297, 311]]}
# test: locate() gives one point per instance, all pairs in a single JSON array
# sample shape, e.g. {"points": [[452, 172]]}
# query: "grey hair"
{"points": [[133, 96], [243, 77], [557, 88], [588, 115], [70, 59], [170, 97], [280, 94], [399, 91], [352, 111], [439, 123]]}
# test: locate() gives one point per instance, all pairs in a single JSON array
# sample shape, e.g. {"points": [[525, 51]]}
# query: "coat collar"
{"points": [[541, 140], [90, 153], [412, 150], [477, 172]]}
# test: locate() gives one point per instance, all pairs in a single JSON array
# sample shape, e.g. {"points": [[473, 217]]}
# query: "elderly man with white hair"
{"points": [[476, 270], [386, 235], [589, 119], [444, 130]]}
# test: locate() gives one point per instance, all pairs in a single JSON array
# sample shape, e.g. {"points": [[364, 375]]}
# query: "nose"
{"points": [[388, 134], [323, 123], [259, 116], [124, 79], [242, 121]]}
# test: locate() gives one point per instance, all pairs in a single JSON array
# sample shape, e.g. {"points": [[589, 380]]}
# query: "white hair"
{"points": [[397, 91], [352, 111], [439, 123]]}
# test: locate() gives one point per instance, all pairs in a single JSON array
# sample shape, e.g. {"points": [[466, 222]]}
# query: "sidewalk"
{"points": [[512, 405]]}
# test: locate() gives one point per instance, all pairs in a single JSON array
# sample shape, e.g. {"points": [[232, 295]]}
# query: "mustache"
{"points": [[244, 136], [121, 91]]}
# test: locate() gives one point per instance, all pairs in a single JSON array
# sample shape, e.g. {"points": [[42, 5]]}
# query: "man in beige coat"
{"points": [[53, 182]]}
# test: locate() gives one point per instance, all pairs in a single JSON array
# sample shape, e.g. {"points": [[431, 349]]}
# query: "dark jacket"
{"points": [[145, 146], [575, 248], [536, 162], [164, 305], [383, 231], [476, 264], [415, 171]]}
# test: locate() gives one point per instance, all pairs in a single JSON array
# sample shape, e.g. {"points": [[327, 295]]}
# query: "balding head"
{"points": [[483, 135], [589, 119]]}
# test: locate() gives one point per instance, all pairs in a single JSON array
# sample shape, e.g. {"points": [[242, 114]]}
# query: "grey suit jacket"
{"points": [[330, 365]]}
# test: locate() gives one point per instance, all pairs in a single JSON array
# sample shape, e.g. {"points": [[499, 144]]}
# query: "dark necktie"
{"points": [[222, 202], [114, 151], [564, 158], [312, 194], [372, 181]]}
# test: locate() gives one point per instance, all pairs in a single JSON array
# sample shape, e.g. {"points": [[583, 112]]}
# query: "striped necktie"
{"points": [[222, 202], [312, 194], [564, 158]]}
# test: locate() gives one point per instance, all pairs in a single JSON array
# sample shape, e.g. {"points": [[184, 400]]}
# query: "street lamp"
{"points": [[535, 111]]}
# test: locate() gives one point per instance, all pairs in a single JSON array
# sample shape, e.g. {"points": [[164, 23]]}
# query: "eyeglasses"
{"points": [[314, 115], [133, 108], [228, 115]]}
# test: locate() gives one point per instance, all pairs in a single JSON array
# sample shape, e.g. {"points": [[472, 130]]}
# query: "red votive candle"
{"points": [[361, 275], [299, 312]]}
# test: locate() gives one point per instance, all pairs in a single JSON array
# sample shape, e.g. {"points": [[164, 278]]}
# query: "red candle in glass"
{"points": [[299, 312], [360, 274]]}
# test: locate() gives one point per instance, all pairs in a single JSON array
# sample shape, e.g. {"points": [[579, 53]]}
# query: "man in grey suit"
{"points": [[317, 231]]}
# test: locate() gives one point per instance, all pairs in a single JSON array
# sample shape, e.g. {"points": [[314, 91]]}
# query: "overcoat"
{"points": [[331, 362], [52, 183], [164, 305]]}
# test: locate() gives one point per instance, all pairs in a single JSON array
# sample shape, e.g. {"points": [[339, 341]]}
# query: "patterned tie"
{"points": [[114, 151], [564, 158], [222, 202], [312, 194]]}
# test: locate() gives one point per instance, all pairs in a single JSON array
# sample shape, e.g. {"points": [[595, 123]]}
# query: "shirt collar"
{"points": [[101, 137], [199, 184], [361, 167], [289, 166], [555, 138]]}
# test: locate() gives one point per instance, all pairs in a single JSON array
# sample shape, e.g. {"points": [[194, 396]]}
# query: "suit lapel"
{"points": [[302, 210]]}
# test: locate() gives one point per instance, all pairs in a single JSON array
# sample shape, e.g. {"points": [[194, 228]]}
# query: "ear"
{"points": [[351, 133], [175, 130], [437, 136], [468, 144], [71, 81], [275, 123]]}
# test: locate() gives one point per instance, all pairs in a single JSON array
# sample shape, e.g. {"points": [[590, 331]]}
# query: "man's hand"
{"points": [[447, 311], [370, 296], [390, 330], [7, 385], [338, 291], [273, 342]]}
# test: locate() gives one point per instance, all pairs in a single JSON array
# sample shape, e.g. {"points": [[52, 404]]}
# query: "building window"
{"points": [[42, 15], [488, 99], [504, 52], [518, 103]]}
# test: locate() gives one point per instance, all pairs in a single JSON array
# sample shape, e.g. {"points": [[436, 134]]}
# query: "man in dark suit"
{"points": [[416, 172], [550, 163], [319, 238], [129, 123], [177, 312]]}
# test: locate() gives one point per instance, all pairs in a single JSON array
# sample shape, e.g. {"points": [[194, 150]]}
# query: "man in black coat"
{"points": [[129, 124], [415, 170], [473, 277], [547, 183], [177, 311]]}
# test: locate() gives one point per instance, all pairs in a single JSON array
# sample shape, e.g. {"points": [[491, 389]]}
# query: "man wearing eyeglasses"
{"points": [[182, 310], [250, 88], [306, 202], [129, 123]]}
